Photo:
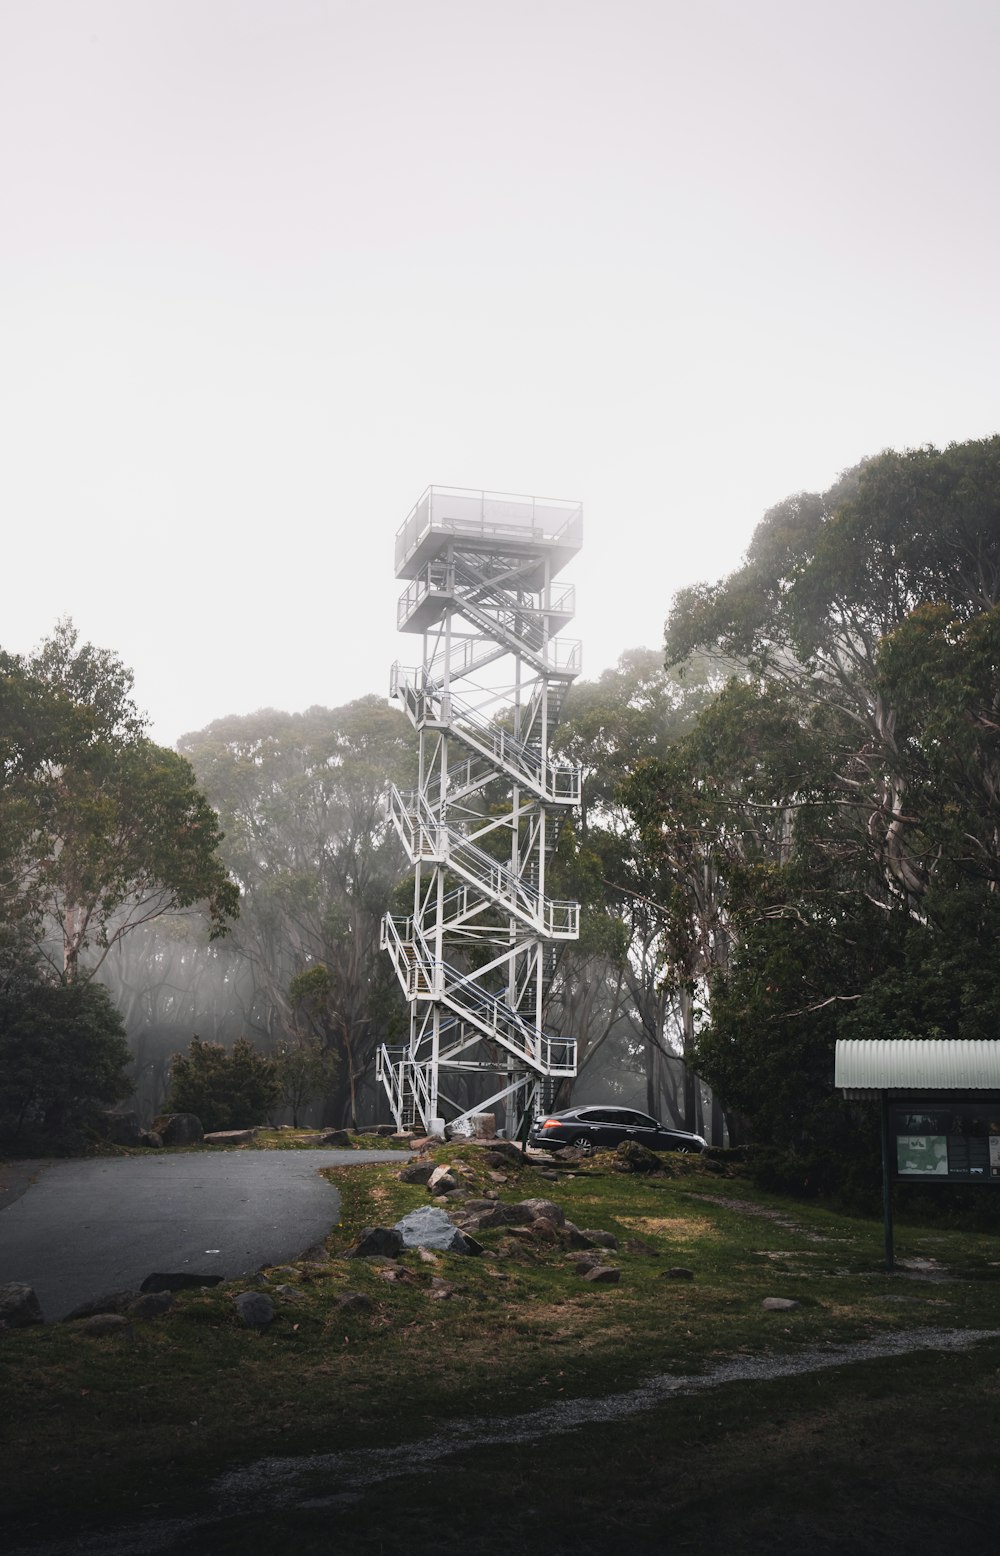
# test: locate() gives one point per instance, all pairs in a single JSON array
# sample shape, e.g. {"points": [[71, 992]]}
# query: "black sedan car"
{"points": [[589, 1128]]}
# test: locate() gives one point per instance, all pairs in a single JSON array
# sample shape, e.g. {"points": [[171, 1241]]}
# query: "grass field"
{"points": [[141, 1428]]}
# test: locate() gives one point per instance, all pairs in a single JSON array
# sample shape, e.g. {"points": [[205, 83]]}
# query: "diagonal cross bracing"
{"points": [[473, 958]]}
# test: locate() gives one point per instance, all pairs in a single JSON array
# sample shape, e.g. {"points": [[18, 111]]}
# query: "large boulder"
{"points": [[546, 1208], [431, 1227], [630, 1156], [443, 1180], [506, 1151], [18, 1306], [100, 1325], [339, 1139], [601, 1239], [354, 1302], [111, 1302], [500, 1214], [255, 1310], [152, 1304], [479, 1126], [375, 1242], [179, 1129], [603, 1275], [230, 1137]]}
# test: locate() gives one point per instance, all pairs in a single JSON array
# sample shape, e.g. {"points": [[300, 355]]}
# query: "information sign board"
{"points": [[944, 1141]]}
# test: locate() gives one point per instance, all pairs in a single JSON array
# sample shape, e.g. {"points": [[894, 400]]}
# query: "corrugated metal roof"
{"points": [[916, 1064]]}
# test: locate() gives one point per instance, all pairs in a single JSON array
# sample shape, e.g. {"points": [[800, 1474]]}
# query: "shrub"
{"points": [[63, 1056], [233, 1090]]}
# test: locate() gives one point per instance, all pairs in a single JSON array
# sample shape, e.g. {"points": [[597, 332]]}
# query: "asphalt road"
{"points": [[83, 1229]]}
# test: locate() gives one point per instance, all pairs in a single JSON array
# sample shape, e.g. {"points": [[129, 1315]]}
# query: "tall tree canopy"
{"points": [[100, 829], [846, 788], [301, 798]]}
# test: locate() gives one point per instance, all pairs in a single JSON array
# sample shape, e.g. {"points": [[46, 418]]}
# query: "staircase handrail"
{"points": [[411, 814], [555, 780]]}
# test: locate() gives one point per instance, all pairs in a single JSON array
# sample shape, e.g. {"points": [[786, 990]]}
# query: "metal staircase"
{"points": [[474, 957]]}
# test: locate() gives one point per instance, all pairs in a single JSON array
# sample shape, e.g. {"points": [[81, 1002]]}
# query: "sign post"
{"points": [[887, 1165]]}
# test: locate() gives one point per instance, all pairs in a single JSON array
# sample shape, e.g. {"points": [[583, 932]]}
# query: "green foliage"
{"points": [[307, 1066], [62, 1053], [846, 793], [301, 798], [100, 829], [226, 1090]]}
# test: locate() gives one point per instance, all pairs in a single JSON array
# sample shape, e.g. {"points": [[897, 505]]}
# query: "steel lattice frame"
{"points": [[475, 955]]}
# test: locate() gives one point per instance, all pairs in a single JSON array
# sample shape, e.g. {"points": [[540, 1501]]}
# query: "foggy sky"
{"points": [[269, 267]]}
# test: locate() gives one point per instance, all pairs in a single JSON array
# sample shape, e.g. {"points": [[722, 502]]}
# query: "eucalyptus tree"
{"points": [[100, 830], [857, 823], [827, 581], [301, 799], [632, 714]]}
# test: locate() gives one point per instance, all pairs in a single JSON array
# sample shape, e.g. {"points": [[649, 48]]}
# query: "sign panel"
{"points": [[953, 1142]]}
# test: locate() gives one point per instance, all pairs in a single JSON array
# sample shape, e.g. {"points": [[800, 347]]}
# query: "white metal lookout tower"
{"points": [[475, 955]]}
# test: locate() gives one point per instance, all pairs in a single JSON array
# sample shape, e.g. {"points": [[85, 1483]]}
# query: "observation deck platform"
{"points": [[544, 527]]}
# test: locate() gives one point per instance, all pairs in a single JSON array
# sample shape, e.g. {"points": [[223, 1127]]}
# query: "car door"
{"points": [[645, 1130]]}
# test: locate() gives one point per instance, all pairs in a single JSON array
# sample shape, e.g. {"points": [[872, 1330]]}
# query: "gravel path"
{"points": [[290, 1483]]}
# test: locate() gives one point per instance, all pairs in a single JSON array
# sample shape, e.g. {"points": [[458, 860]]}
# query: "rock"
{"points": [[441, 1290], [430, 1227], [316, 1253], [470, 1246], [19, 1306], [545, 1207], [586, 1261], [339, 1139], [401, 1137], [602, 1239], [230, 1137], [480, 1126], [544, 1230], [427, 1257], [383, 1129], [506, 1151], [395, 1274], [112, 1302], [376, 1240], [153, 1304], [179, 1129], [289, 1293], [499, 1177], [150, 1138], [677, 1272], [255, 1310], [501, 1214], [603, 1275], [637, 1245], [779, 1304], [101, 1324], [354, 1302], [630, 1156], [576, 1238], [442, 1181], [181, 1281]]}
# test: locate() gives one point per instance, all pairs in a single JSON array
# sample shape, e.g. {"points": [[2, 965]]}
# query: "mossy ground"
{"points": [[136, 1427]]}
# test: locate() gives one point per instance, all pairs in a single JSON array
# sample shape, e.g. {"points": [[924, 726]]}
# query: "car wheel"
{"points": [[584, 1144]]}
